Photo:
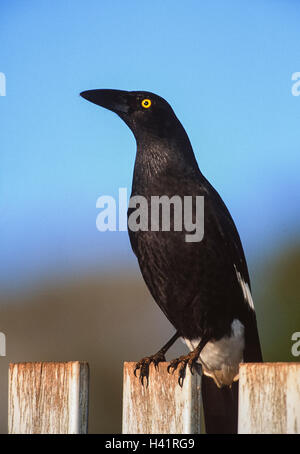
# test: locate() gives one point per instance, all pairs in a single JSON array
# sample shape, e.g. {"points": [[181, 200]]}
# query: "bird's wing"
{"points": [[233, 245]]}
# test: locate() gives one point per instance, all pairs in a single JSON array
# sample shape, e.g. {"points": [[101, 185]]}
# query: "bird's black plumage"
{"points": [[202, 287]]}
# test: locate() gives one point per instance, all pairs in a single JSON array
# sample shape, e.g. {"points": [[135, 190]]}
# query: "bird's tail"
{"points": [[220, 406]]}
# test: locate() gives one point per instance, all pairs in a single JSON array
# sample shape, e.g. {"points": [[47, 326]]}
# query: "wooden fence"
{"points": [[52, 397], [48, 398]]}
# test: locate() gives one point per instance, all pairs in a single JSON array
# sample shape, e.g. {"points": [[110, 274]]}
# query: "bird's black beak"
{"points": [[115, 100]]}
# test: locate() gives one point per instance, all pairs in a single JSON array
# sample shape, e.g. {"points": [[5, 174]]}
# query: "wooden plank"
{"points": [[48, 398], [2, 344], [269, 398], [163, 407]]}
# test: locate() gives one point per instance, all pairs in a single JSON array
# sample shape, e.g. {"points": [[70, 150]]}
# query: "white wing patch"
{"points": [[245, 288]]}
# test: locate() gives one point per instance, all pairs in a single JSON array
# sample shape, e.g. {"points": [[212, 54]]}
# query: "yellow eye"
{"points": [[146, 103]]}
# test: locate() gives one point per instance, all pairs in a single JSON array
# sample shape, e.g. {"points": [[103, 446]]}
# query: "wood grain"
{"points": [[48, 398], [269, 398], [162, 407]]}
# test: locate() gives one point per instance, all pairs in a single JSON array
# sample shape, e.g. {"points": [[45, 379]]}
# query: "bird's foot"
{"points": [[184, 361], [144, 364]]}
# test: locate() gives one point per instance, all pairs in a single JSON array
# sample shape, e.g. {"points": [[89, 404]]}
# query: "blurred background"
{"points": [[70, 292]]}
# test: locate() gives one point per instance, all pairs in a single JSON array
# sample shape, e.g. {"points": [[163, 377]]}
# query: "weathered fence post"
{"points": [[163, 406], [48, 398], [269, 398]]}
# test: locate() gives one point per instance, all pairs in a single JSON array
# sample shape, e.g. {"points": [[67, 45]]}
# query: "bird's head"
{"points": [[145, 113]]}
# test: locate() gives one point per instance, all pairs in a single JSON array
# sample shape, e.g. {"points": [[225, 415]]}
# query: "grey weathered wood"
{"points": [[269, 398], [2, 344], [162, 407], [48, 398]]}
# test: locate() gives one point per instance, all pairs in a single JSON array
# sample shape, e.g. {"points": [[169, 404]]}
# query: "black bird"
{"points": [[202, 287]]}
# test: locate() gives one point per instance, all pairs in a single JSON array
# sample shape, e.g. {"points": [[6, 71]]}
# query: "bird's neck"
{"points": [[159, 158]]}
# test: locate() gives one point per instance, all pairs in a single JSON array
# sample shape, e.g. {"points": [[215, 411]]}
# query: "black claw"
{"points": [[182, 373], [142, 377], [169, 369], [144, 364], [173, 365], [181, 377], [183, 361], [144, 372], [191, 367]]}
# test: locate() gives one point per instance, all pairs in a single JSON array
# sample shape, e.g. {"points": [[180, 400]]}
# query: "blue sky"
{"points": [[226, 69]]}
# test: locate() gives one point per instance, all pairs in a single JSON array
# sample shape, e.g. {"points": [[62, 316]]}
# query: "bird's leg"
{"points": [[144, 363], [187, 360]]}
